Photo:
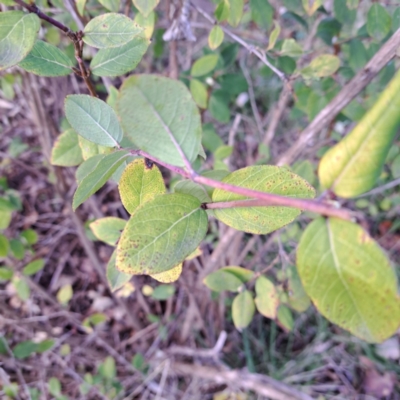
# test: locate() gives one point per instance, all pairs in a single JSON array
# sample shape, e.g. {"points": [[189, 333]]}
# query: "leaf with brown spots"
{"points": [[266, 178]]}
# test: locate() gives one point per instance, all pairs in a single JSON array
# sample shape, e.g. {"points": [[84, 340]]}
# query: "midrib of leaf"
{"points": [[116, 143], [166, 231], [52, 60], [364, 142], [165, 126], [339, 272]]}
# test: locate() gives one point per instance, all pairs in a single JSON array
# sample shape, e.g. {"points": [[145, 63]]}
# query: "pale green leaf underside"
{"points": [[110, 30], [145, 6], [161, 233], [156, 111], [194, 189], [111, 5], [18, 32], [90, 149], [349, 278], [139, 184], [119, 60], [266, 300], [99, 175], [355, 163], [221, 280], [46, 60], [243, 309], [267, 178], [87, 167], [116, 279], [108, 229], [66, 151], [93, 119]]}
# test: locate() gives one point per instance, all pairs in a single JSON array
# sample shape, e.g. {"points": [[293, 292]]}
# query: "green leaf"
{"points": [[120, 60], [219, 107], [267, 178], [4, 246], [66, 151], [145, 6], [169, 276], [18, 32], [221, 280], [140, 183], [110, 30], [5, 274], [379, 22], [111, 5], [33, 267], [199, 92], [267, 300], [155, 112], [116, 279], [355, 163], [216, 37], [204, 65], [64, 295], [352, 4], [285, 318], [262, 13], [163, 292], [54, 387], [325, 65], [24, 349], [395, 170], [94, 180], [222, 11], [243, 309], [22, 288], [235, 12], [46, 60], [194, 189], [45, 345], [17, 249], [273, 37], [310, 6], [87, 167], [5, 218], [30, 236], [161, 234], [93, 119], [291, 48], [349, 278], [108, 229], [297, 297]]}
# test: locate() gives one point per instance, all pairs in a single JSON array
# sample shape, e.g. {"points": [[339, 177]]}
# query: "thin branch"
{"points": [[251, 49], [382, 188], [263, 199], [344, 97]]}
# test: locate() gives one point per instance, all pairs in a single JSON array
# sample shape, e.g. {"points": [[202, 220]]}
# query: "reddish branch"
{"points": [[257, 198]]}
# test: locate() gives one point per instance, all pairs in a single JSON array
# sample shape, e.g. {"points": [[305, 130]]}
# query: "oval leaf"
{"points": [[194, 189], [110, 5], [267, 178], [120, 60], [116, 279], [161, 234], [93, 119], [90, 149], [110, 30], [349, 278], [66, 151], [204, 65], [355, 163], [159, 114], [108, 229], [169, 276], [243, 309], [284, 318], [267, 300], [235, 12], [99, 175], [199, 92], [325, 65], [297, 297], [46, 60], [221, 280], [379, 22], [216, 37], [140, 183], [146, 23], [18, 32]]}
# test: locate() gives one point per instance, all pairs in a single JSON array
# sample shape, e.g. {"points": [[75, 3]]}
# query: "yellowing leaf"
{"points": [[66, 151], [169, 276], [273, 37], [145, 6], [267, 300], [349, 278], [310, 6], [355, 163], [325, 65], [108, 229], [261, 220], [140, 183], [243, 309], [216, 37], [161, 234], [146, 23], [235, 12]]}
